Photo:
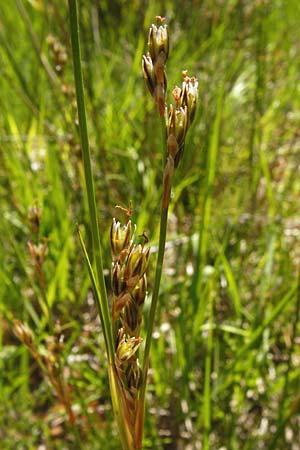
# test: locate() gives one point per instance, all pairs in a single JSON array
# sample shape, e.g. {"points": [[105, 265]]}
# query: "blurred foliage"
{"points": [[225, 361]]}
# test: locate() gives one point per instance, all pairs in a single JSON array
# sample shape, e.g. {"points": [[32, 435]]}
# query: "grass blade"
{"points": [[104, 314]]}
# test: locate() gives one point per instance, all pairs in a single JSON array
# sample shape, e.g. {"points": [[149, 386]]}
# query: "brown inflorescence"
{"points": [[154, 63], [181, 117], [129, 285]]}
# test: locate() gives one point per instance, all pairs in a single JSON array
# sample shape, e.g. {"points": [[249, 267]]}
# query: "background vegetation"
{"points": [[225, 361]]}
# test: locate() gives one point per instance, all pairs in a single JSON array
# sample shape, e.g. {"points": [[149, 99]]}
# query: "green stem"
{"points": [[158, 272], [168, 179], [167, 185], [207, 375], [104, 309]]}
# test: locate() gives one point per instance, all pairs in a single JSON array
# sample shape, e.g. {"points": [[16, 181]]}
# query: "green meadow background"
{"points": [[225, 360]]}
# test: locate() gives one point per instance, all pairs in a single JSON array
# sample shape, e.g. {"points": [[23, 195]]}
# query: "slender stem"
{"points": [[167, 184], [207, 375], [158, 272], [104, 310]]}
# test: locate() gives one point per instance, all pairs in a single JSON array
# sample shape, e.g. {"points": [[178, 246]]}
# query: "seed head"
{"points": [[136, 264], [177, 125], [154, 63], [34, 216], [23, 332], [38, 252], [180, 118], [119, 237], [189, 96], [127, 347], [139, 291], [158, 42]]}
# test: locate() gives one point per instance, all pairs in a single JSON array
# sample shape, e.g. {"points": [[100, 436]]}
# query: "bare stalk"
{"points": [[86, 156], [167, 183]]}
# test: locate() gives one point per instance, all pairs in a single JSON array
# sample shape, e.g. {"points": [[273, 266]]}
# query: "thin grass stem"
{"points": [[207, 376], [158, 272], [155, 295], [103, 304], [160, 256]]}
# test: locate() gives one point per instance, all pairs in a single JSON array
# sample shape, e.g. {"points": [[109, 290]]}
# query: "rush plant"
{"points": [[122, 323]]}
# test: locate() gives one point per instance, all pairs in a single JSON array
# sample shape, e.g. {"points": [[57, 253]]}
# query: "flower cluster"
{"points": [[129, 282], [129, 286], [181, 117], [154, 63], [48, 357], [128, 369], [178, 118]]}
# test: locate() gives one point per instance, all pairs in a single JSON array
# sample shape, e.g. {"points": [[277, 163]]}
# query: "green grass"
{"points": [[224, 361]]}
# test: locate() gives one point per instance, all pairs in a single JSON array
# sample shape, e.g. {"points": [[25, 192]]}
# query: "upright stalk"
{"points": [[86, 156], [167, 185], [176, 121], [158, 272], [168, 179]]}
